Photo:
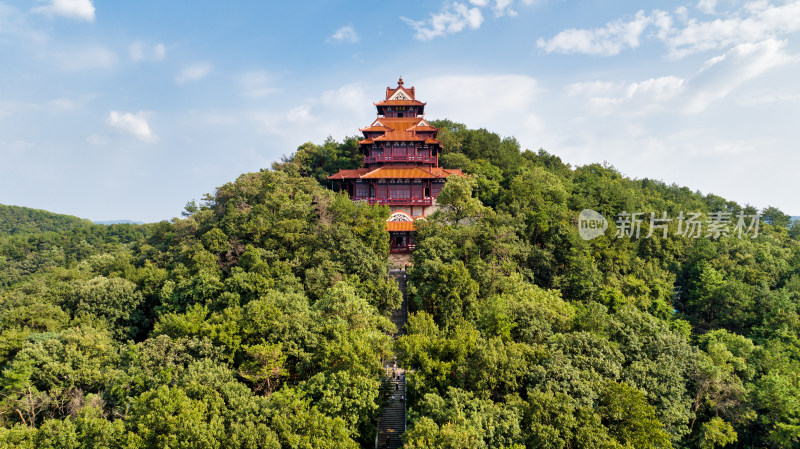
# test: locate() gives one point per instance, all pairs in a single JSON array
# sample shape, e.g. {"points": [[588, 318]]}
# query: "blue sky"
{"points": [[127, 110]]}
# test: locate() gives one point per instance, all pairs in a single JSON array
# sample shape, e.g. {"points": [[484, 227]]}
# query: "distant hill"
{"points": [[21, 220], [113, 222]]}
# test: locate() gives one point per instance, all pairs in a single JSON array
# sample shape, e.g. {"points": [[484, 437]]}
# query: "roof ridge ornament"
{"points": [[400, 81]]}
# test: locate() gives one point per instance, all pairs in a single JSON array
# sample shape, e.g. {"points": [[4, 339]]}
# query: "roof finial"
{"points": [[400, 81]]}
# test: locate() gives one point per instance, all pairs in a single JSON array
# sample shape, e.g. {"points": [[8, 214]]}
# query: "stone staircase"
{"points": [[400, 315], [393, 418]]}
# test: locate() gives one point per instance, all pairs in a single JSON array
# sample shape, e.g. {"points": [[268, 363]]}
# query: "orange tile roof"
{"points": [[440, 172], [396, 129], [399, 172], [365, 142], [349, 174], [371, 128], [400, 123], [399, 136], [432, 141], [407, 90], [399, 226], [399, 103]]}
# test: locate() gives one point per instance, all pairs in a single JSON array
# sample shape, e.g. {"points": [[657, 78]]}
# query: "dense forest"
{"points": [[259, 318], [22, 220]]}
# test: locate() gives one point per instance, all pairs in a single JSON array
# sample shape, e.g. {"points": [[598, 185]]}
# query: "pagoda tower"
{"points": [[401, 165]]}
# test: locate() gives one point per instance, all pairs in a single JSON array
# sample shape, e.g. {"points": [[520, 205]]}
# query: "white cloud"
{"points": [[592, 88], [340, 112], [350, 99], [682, 13], [454, 17], [723, 74], [159, 52], [140, 51], [458, 16], [503, 8], [707, 6], [194, 72], [133, 124], [256, 84], [463, 92], [335, 112], [663, 21], [657, 89], [754, 22], [607, 41], [344, 34], [72, 9], [507, 102], [13, 23], [299, 114], [635, 98], [711, 152]]}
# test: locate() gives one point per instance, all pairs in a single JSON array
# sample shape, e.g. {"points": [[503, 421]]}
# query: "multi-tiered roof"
{"points": [[401, 164], [400, 121]]}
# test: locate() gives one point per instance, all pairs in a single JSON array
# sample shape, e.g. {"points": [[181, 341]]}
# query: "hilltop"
{"points": [[20, 220], [260, 318]]}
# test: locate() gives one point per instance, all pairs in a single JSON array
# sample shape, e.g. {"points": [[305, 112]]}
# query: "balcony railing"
{"points": [[409, 158], [402, 249], [396, 201]]}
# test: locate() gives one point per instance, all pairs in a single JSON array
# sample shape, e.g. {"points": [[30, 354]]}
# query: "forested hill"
{"points": [[259, 319], [20, 220]]}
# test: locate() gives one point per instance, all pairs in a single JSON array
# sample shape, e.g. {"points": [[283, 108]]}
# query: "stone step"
{"points": [[393, 417]]}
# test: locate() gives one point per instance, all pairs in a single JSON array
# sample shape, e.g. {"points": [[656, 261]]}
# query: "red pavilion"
{"points": [[401, 165]]}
